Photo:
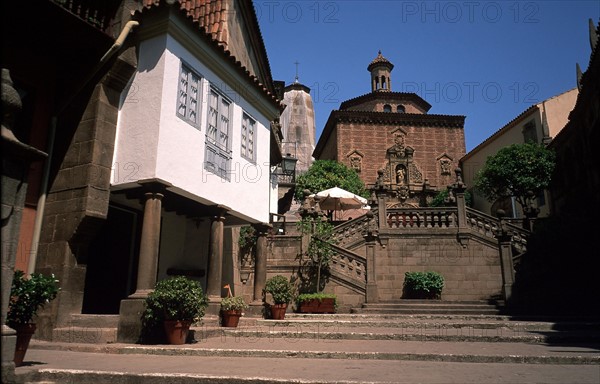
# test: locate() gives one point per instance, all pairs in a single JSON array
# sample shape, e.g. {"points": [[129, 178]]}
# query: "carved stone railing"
{"points": [[488, 226], [351, 232], [350, 267], [482, 223], [421, 218]]}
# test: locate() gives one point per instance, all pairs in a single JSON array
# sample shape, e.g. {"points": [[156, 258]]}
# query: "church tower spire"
{"points": [[380, 69]]}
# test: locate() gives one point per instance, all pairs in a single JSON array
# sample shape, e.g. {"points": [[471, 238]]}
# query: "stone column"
{"points": [[458, 188], [16, 159], [506, 259], [215, 258], [149, 246], [130, 326], [260, 263], [370, 238]]}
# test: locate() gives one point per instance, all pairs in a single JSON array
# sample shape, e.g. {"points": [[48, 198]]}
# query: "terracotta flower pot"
{"points": [[24, 334], [230, 318], [278, 311], [325, 305], [177, 331]]}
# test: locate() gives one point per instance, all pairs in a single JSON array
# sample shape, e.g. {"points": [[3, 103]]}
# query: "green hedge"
{"points": [[423, 285]]}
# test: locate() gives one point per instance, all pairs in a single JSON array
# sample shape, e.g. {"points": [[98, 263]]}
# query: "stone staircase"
{"points": [[432, 307], [93, 329], [372, 345]]}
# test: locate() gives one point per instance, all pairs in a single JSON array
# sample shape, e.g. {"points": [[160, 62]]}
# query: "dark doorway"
{"points": [[111, 270]]}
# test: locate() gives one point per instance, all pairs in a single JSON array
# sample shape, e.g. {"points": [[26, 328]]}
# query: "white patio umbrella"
{"points": [[338, 199]]}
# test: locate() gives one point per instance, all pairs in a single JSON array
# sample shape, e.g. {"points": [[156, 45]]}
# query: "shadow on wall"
{"points": [[559, 273]]}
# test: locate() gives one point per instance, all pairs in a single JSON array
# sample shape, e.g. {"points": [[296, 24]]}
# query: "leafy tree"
{"points": [[439, 200], [516, 170], [325, 174], [319, 252]]}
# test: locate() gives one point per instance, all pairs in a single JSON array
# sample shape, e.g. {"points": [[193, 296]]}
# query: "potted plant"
{"points": [[316, 302], [282, 292], [27, 296], [232, 308], [175, 303], [423, 285]]}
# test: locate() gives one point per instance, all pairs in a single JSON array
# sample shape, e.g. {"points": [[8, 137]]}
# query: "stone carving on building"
{"points": [[401, 168], [355, 159], [400, 174], [398, 149], [445, 162]]}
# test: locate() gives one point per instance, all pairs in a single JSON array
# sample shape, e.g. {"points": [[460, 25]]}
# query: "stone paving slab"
{"points": [[277, 347], [410, 331], [68, 367]]}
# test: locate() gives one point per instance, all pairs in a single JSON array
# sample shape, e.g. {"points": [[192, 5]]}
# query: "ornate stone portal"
{"points": [[402, 176]]}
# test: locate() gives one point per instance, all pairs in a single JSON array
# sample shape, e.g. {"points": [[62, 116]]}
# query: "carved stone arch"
{"points": [[355, 158]]}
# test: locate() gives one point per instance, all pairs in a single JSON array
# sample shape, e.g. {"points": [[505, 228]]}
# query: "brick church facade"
{"points": [[394, 133]]}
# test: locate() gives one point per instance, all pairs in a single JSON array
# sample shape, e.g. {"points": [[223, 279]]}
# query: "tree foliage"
{"points": [[319, 252], [514, 171], [439, 200], [325, 174]]}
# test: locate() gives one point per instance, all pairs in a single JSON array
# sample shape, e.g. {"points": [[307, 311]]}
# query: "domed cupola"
{"points": [[380, 69]]}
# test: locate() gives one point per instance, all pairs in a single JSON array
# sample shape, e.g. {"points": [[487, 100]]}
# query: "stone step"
{"points": [[63, 366], [95, 321], [398, 350], [460, 335], [431, 307], [92, 335], [432, 311], [409, 322]]}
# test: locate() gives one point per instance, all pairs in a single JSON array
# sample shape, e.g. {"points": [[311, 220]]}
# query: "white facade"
{"points": [[154, 143]]}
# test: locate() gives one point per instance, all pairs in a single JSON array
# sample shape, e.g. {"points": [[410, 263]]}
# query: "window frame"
{"points": [[214, 142], [198, 110], [245, 138]]}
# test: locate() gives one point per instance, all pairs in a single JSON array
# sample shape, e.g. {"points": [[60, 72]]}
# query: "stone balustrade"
{"points": [[421, 218], [350, 265], [350, 232]]}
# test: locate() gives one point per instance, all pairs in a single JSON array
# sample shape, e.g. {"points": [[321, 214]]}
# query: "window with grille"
{"points": [[218, 151], [248, 138], [188, 96]]}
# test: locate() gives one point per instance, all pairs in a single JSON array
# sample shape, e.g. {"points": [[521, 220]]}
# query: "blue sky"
{"points": [[487, 60]]}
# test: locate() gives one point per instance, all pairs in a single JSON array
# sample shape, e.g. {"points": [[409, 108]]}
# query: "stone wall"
{"points": [[429, 143], [470, 273], [77, 203], [470, 267]]}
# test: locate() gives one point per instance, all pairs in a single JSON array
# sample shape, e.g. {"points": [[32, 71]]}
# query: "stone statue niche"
{"points": [[400, 174], [402, 177]]}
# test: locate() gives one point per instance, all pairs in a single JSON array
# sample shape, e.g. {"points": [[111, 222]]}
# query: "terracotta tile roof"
{"points": [[386, 96], [413, 119], [210, 16], [380, 60]]}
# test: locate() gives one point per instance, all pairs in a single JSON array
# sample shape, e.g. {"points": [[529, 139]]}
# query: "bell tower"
{"points": [[380, 69]]}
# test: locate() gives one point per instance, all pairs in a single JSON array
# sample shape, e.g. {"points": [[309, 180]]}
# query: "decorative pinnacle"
{"points": [[297, 78]]}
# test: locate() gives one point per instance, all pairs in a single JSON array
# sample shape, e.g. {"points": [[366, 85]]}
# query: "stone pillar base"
{"points": [[372, 294], [130, 320], [214, 307], [9, 341], [256, 309]]}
